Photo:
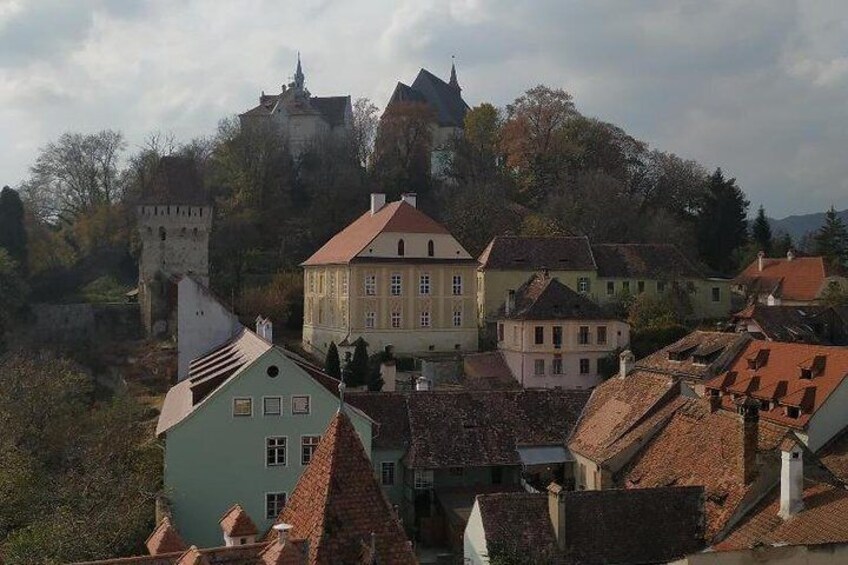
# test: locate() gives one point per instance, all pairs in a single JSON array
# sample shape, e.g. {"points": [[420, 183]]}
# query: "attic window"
{"points": [[765, 405], [431, 248], [806, 373], [401, 248], [272, 371], [793, 412]]}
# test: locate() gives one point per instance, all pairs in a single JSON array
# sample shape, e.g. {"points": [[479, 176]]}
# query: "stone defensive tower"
{"points": [[174, 222]]}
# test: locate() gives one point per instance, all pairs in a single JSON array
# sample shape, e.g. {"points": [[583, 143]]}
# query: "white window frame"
{"points": [[396, 319], [304, 445], [344, 283], [554, 362], [424, 284], [308, 398], [715, 294], [280, 508], [423, 479], [370, 320], [388, 465], [426, 320], [580, 334], [265, 410], [249, 399], [456, 285], [583, 285], [276, 450], [537, 364], [457, 318], [370, 284], [396, 284]]}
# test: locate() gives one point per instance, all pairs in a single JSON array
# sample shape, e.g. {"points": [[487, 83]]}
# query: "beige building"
{"points": [[393, 277], [552, 337], [602, 272]]}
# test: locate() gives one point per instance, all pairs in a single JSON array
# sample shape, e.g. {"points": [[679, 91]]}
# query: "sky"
{"points": [[756, 87]]}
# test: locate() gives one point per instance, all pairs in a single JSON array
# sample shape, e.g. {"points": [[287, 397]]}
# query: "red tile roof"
{"points": [[697, 356], [777, 376], [487, 371], [823, 520], [236, 523], [192, 556], [165, 539], [703, 448], [397, 217], [292, 552], [801, 279], [621, 411], [337, 504], [834, 456]]}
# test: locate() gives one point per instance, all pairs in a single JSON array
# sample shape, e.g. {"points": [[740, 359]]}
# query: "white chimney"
{"points": [[410, 198], [388, 372], [556, 512], [790, 254], [265, 329], [791, 481], [378, 200], [283, 532], [422, 384], [625, 363], [761, 261]]}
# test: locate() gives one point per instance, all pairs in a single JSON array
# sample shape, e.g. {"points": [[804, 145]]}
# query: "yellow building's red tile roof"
{"points": [[396, 217], [337, 504], [773, 371]]}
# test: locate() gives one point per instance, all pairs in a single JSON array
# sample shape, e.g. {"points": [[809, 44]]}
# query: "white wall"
{"points": [[830, 419], [203, 323], [474, 539]]}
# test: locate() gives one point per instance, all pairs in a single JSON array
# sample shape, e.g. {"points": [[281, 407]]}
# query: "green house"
{"points": [[241, 429]]}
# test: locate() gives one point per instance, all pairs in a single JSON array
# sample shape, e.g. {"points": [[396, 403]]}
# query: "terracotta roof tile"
{"points": [[165, 539], [784, 323], [388, 410], [236, 523], [292, 552], [703, 448], [617, 408], [192, 556], [778, 375], [698, 356], [337, 504], [802, 278], [396, 217], [834, 455], [487, 371]]}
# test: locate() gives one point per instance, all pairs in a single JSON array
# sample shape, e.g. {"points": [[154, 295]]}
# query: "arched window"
{"points": [[431, 248], [162, 235], [400, 247]]}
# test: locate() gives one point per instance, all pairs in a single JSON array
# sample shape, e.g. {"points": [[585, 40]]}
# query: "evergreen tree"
{"points": [[13, 235], [761, 232], [782, 244], [332, 363], [831, 241], [357, 369], [722, 223]]}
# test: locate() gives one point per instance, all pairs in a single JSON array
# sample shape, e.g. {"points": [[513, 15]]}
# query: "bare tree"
{"points": [[77, 173], [365, 121]]}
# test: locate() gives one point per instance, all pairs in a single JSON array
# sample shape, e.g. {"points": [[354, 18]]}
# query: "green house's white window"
{"points": [[423, 479], [300, 404], [243, 407], [387, 473], [274, 503], [308, 445], [275, 451], [272, 406]]}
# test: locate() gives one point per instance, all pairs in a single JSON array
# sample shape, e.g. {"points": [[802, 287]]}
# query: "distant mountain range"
{"points": [[798, 226]]}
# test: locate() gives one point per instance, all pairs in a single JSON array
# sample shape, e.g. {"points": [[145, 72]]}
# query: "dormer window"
{"points": [[401, 248], [431, 248], [793, 412], [806, 373], [765, 405]]}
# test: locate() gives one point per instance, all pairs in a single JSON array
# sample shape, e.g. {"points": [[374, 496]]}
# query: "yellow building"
{"points": [[393, 277], [602, 272]]}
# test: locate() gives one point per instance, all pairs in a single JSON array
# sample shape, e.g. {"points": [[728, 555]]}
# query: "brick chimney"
{"points": [[748, 414], [378, 200], [556, 511], [625, 363], [791, 479], [761, 261]]}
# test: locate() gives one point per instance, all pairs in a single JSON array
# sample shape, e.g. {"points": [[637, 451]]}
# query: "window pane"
{"points": [[242, 407], [272, 406], [300, 405]]}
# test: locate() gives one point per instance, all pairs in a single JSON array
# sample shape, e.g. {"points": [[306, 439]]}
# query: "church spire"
{"points": [[298, 74], [453, 82]]}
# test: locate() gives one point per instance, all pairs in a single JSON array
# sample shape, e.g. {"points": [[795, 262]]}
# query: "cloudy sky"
{"points": [[759, 88]]}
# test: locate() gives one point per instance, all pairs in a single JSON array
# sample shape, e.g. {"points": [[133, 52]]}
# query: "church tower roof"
{"points": [[453, 82], [299, 78]]}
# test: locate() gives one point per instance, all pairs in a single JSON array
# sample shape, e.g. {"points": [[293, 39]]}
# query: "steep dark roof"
{"points": [[647, 260], [601, 527], [786, 323], [332, 108], [698, 356], [445, 100], [177, 182], [537, 253], [388, 410], [483, 428], [545, 298]]}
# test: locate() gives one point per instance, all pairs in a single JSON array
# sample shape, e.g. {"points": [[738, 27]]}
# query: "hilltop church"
{"points": [[299, 116]]}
